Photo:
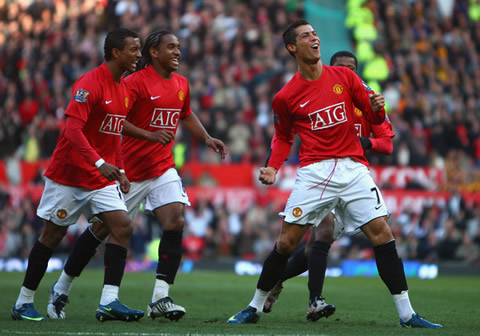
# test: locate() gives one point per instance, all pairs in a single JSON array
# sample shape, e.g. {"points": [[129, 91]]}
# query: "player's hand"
{"points": [[377, 101], [110, 172], [124, 184], [218, 146], [163, 136], [267, 175]]}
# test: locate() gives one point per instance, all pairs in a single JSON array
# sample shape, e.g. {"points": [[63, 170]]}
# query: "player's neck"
{"points": [[115, 70], [311, 71], [162, 72]]}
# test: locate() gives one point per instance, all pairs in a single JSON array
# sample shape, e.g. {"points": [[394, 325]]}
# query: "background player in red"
{"points": [[317, 104], [160, 98], [323, 235], [82, 177]]}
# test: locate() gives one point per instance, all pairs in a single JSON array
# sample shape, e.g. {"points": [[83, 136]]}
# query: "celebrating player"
{"points": [[323, 235], [317, 104], [160, 98], [82, 174]]}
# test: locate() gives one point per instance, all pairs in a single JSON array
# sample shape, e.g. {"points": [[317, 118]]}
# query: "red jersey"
{"points": [[157, 103], [102, 104], [364, 128], [321, 113]]}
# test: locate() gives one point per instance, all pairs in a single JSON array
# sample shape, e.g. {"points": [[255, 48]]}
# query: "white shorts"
{"points": [[156, 192], [63, 205], [341, 184]]}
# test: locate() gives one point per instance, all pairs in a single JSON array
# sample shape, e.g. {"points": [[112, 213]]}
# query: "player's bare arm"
{"points": [[267, 175], [163, 136], [377, 101], [193, 124]]}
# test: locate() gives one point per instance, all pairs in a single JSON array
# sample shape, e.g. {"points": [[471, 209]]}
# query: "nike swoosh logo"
{"points": [[31, 318], [107, 309], [377, 207], [153, 98], [108, 102], [302, 105]]}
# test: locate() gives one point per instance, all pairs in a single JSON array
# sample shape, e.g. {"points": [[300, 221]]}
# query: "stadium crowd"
{"points": [[233, 56]]}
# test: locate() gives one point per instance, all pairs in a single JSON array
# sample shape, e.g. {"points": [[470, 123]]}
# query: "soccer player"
{"points": [[159, 98], [86, 176], [317, 104], [323, 235]]}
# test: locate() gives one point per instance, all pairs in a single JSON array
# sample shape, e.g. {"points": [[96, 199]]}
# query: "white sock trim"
{"points": [[403, 305], [259, 300]]}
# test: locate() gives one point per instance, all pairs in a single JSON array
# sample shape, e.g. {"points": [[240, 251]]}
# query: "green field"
{"points": [[364, 306]]}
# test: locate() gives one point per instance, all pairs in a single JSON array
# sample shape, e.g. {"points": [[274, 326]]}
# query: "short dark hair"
{"points": [[153, 41], [289, 36], [116, 40], [343, 53]]}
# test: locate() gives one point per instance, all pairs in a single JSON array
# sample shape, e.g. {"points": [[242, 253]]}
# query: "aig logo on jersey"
{"points": [[165, 118], [328, 116], [112, 124]]}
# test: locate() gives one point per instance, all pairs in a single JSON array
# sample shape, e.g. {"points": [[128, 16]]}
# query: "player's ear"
{"points": [[292, 47], [115, 52], [153, 52]]}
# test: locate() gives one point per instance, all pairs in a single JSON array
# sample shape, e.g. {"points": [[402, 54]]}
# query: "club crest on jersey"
{"points": [[126, 102], [367, 88], [81, 96], [112, 124], [297, 212], [328, 116], [61, 213], [357, 112], [181, 95], [338, 89], [165, 118]]}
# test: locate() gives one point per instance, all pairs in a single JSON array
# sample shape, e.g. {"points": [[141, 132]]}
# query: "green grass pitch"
{"points": [[364, 306]]}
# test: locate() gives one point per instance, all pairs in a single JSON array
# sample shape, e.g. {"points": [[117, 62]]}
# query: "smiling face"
{"points": [[307, 46], [167, 55], [130, 54]]}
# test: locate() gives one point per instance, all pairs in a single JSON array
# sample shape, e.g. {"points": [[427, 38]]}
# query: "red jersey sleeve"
{"points": [[83, 101], [284, 132], [382, 137], [76, 137], [360, 97], [186, 110]]}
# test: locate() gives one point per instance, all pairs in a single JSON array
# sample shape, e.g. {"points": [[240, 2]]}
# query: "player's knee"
{"points": [[324, 234], [285, 246], [100, 230], [378, 231], [52, 234], [122, 231], [176, 223]]}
